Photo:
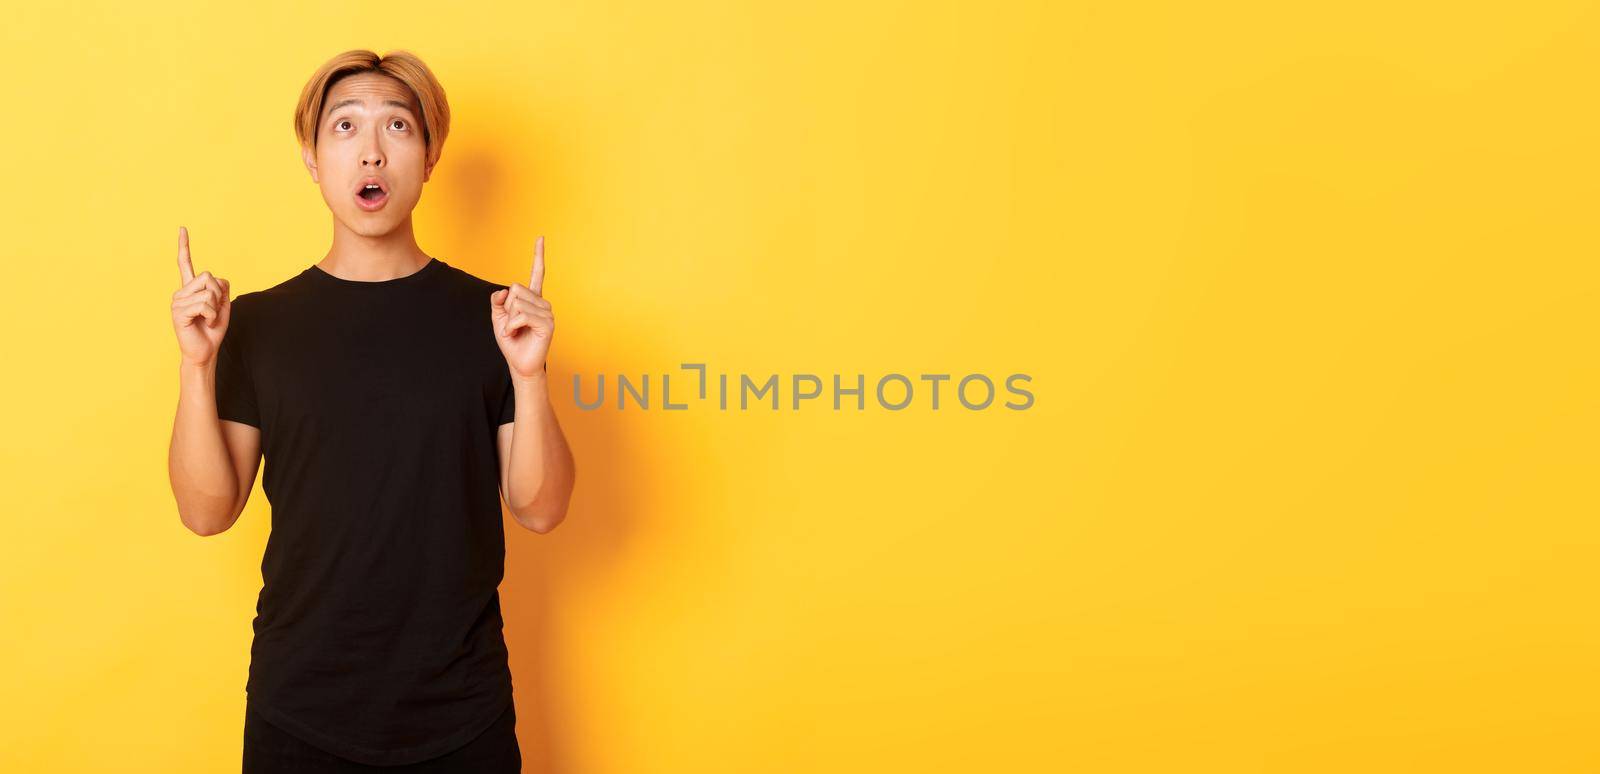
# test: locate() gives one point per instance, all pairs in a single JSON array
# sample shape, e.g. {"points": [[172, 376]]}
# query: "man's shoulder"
{"points": [[266, 296], [468, 279]]}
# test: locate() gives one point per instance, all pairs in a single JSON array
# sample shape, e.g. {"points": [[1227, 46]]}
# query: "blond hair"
{"points": [[403, 66]]}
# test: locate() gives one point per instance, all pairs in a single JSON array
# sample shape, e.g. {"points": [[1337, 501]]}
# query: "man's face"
{"points": [[370, 131]]}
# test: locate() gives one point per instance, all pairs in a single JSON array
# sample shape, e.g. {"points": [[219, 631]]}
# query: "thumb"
{"points": [[497, 300]]}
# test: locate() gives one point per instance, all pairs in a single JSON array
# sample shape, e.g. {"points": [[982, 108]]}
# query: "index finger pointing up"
{"points": [[536, 279], [185, 268]]}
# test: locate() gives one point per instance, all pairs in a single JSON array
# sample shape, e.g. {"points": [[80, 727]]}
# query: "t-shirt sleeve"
{"points": [[236, 395], [508, 396]]}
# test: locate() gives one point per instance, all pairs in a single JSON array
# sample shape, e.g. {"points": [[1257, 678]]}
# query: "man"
{"points": [[390, 395]]}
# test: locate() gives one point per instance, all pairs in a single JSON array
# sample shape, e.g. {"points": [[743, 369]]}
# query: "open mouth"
{"points": [[371, 195]]}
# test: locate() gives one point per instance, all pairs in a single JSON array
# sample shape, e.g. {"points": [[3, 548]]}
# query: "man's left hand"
{"points": [[522, 320]]}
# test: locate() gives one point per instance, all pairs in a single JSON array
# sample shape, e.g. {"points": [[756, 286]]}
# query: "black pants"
{"points": [[271, 750]]}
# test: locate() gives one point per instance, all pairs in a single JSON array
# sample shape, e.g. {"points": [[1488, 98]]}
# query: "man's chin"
{"points": [[370, 224]]}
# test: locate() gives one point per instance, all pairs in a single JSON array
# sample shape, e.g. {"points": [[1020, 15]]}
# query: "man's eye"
{"points": [[400, 121], [341, 123]]}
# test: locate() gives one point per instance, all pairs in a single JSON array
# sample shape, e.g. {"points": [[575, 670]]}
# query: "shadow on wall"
{"points": [[601, 518], [605, 501]]}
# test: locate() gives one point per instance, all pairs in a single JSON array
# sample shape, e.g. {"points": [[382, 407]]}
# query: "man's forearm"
{"points": [[198, 466], [540, 473]]}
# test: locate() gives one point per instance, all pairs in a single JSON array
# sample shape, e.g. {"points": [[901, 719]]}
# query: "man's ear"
{"points": [[310, 158], [427, 171]]}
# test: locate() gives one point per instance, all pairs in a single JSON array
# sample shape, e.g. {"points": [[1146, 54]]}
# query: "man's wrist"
{"points": [[190, 368], [539, 380], [197, 377]]}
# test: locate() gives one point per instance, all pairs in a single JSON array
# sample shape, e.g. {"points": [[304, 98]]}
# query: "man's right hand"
{"points": [[200, 309]]}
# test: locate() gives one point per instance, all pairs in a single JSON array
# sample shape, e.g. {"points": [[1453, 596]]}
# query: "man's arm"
{"points": [[536, 468], [211, 464], [537, 471]]}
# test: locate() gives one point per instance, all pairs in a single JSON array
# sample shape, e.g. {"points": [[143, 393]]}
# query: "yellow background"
{"points": [[1308, 295]]}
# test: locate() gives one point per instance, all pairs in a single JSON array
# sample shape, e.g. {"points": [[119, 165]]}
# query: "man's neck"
{"points": [[373, 259]]}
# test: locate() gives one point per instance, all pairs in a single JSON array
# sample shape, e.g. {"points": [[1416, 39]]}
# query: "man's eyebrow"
{"points": [[353, 101]]}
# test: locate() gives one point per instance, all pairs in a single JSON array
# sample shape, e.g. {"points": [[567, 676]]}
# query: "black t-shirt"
{"points": [[378, 628]]}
